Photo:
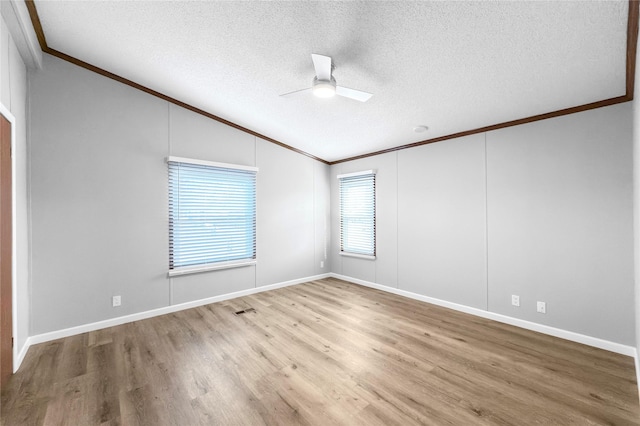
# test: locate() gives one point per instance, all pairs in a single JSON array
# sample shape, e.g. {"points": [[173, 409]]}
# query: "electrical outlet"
{"points": [[322, 263], [515, 300], [542, 307], [116, 301]]}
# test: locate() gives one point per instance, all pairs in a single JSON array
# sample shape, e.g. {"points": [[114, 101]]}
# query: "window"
{"points": [[358, 214], [212, 215]]}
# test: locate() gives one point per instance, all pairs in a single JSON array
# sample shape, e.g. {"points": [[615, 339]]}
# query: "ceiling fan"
{"points": [[324, 85]]}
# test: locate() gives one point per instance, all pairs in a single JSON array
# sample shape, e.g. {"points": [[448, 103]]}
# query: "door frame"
{"points": [[4, 111]]}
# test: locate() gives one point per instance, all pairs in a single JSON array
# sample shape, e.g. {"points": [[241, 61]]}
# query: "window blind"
{"points": [[358, 213], [212, 213]]}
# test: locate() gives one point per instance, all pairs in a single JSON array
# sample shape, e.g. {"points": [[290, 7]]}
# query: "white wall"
{"points": [[542, 210], [13, 95], [100, 207]]}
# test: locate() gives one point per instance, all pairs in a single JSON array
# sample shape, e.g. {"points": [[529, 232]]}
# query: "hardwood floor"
{"points": [[321, 353]]}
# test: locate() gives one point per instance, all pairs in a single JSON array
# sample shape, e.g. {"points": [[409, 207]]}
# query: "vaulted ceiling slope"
{"points": [[455, 67]]}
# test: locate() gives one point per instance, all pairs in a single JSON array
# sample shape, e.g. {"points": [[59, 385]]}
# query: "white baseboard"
{"points": [[545, 329], [21, 354], [58, 334], [637, 371], [552, 331]]}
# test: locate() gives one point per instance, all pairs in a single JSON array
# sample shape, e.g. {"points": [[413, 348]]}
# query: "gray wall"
{"points": [[99, 200], [441, 221], [560, 222], [13, 95], [542, 210]]}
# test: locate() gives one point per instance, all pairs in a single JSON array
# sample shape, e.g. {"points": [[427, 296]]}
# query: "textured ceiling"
{"points": [[451, 66]]}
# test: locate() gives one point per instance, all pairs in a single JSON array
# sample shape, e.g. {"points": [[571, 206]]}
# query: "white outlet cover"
{"points": [[542, 307], [117, 301], [515, 300]]}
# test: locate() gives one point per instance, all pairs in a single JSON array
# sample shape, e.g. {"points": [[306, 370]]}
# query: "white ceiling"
{"points": [[451, 66]]}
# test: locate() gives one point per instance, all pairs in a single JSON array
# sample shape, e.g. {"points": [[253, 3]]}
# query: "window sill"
{"points": [[211, 267], [359, 256]]}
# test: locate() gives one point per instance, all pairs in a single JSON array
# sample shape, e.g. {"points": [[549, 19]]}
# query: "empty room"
{"points": [[319, 213]]}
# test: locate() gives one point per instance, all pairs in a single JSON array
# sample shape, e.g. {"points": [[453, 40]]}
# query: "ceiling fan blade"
{"points": [[294, 93], [357, 95], [322, 64]]}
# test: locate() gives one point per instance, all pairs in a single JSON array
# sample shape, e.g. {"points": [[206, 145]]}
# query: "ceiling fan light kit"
{"points": [[324, 88]]}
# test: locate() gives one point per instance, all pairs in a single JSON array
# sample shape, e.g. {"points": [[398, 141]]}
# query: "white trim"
{"points": [[185, 270], [16, 16], [211, 163], [637, 363], [72, 331], [580, 338], [21, 354], [359, 256], [4, 111], [354, 174], [545, 329]]}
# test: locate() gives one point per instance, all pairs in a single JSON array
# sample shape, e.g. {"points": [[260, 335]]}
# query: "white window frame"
{"points": [[183, 270], [340, 179]]}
